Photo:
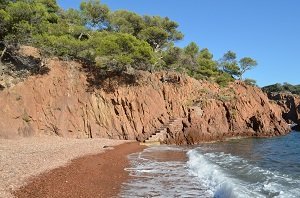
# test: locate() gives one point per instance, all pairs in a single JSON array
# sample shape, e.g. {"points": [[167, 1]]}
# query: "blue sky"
{"points": [[266, 30]]}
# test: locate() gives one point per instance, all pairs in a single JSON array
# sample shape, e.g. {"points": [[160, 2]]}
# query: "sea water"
{"points": [[266, 167]]}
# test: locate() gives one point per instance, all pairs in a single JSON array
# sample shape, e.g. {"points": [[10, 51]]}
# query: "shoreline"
{"points": [[25, 158], [99, 175]]}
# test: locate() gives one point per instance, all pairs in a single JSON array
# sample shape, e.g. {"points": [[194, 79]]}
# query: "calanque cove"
{"points": [[61, 104], [151, 108], [106, 102]]}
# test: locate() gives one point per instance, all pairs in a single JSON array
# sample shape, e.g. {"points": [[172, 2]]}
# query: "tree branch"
{"points": [[2, 53], [84, 33], [160, 58], [81, 34]]}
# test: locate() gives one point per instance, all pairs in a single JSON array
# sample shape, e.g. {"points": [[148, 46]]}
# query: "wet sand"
{"points": [[99, 175]]}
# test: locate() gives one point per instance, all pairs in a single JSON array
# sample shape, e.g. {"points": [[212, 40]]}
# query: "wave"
{"points": [[161, 176], [230, 176]]}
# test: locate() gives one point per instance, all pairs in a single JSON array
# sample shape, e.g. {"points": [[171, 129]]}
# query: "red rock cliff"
{"points": [[237, 111], [58, 103], [290, 107]]}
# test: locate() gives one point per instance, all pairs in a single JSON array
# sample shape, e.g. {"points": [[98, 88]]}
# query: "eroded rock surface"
{"points": [[290, 106], [61, 103], [237, 111]]}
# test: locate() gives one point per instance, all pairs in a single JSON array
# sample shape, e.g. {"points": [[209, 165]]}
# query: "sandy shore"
{"points": [[22, 159]]}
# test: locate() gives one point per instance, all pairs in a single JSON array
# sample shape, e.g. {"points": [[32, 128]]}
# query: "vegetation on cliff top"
{"points": [[285, 87], [111, 40]]}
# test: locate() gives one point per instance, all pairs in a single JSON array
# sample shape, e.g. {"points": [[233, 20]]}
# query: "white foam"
{"points": [[213, 176], [158, 178], [206, 174], [230, 176]]}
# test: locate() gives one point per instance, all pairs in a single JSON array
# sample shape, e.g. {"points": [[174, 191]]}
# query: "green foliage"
{"points": [[20, 11], [120, 51], [235, 68], [109, 51], [191, 49], [155, 36], [72, 17], [22, 33], [223, 79], [128, 42], [285, 87], [273, 88], [229, 64], [4, 21], [159, 32], [23, 19], [64, 46], [126, 22], [111, 40], [206, 65], [172, 56], [246, 64], [249, 81], [95, 14], [3, 3], [51, 5], [196, 62]]}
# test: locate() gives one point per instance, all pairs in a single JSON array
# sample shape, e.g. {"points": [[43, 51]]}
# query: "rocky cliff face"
{"points": [[60, 103], [237, 111], [290, 107]]}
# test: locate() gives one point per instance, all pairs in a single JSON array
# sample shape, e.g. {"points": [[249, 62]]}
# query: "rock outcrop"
{"points": [[290, 106], [237, 111], [61, 103]]}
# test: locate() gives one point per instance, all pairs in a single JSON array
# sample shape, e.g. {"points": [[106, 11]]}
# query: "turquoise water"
{"points": [[268, 167]]}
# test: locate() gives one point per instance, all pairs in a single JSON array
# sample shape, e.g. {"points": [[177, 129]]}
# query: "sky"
{"points": [[266, 30]]}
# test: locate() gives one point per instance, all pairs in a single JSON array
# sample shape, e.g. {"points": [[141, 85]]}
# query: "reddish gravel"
{"points": [[98, 175], [25, 158]]}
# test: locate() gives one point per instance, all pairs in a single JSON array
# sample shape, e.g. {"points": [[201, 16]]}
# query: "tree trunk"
{"points": [[2, 54], [80, 36], [1, 68], [1, 65], [241, 77]]}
